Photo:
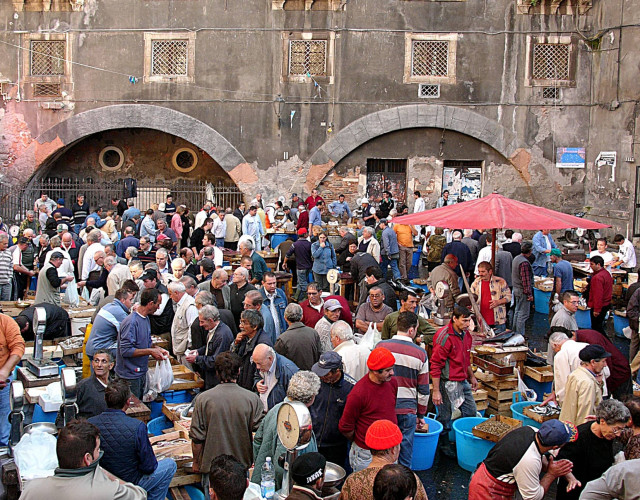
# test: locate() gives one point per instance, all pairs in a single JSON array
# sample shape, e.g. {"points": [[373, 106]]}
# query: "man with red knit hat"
{"points": [[373, 398], [451, 374]]}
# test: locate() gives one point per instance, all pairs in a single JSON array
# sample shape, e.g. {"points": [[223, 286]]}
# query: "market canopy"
{"points": [[495, 212]]}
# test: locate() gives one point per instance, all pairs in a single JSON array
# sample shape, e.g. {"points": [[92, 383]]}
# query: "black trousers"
{"points": [[597, 322]]}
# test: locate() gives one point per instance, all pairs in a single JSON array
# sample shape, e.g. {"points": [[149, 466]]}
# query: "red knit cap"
{"points": [[382, 435], [380, 358]]}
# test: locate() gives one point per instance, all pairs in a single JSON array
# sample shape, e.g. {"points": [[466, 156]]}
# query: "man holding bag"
{"points": [[451, 374], [135, 345]]}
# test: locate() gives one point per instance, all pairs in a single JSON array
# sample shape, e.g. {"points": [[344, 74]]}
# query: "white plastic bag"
{"points": [[455, 393], [159, 379], [71, 294], [530, 394], [35, 455], [371, 338]]}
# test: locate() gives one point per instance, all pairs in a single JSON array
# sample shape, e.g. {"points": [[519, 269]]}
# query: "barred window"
{"points": [[47, 57], [47, 90], [308, 57], [169, 57], [551, 61], [429, 58]]}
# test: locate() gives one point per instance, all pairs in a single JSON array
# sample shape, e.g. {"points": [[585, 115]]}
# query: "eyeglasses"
{"points": [[312, 293]]}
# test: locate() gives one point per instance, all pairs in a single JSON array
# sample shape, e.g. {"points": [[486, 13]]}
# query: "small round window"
{"points": [[111, 158], [184, 159]]}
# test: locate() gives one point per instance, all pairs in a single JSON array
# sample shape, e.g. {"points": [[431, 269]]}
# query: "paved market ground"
{"points": [[446, 480]]}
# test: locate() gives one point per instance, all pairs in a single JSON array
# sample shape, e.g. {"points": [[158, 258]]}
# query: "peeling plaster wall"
{"points": [[600, 113]]}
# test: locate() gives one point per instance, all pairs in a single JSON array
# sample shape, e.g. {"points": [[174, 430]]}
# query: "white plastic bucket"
{"points": [[77, 323]]}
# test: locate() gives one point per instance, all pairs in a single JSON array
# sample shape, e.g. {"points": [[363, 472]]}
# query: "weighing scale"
{"points": [[294, 431], [332, 277], [443, 313], [69, 395], [16, 416], [36, 364]]}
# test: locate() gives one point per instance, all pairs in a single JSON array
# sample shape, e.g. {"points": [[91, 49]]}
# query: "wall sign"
{"points": [[570, 158]]}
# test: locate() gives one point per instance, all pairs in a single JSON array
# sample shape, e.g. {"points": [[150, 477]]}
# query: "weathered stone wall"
{"points": [[230, 110]]}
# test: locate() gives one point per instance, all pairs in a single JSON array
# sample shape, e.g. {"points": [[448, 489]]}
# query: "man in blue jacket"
{"points": [[389, 251], [272, 375], [542, 245], [328, 406], [127, 451], [276, 302]]}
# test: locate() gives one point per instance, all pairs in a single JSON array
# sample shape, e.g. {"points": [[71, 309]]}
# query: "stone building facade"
{"points": [[281, 96]]}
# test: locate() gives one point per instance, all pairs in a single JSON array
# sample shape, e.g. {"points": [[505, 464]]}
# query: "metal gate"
{"points": [[191, 193]]}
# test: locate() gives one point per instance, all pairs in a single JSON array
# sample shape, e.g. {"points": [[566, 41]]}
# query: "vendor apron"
{"points": [[484, 486]]}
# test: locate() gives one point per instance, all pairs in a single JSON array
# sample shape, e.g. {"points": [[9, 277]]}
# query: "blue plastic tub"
{"points": [[156, 409], [619, 324], [39, 415], [583, 318], [194, 492], [517, 412], [423, 287], [177, 396], [425, 445], [471, 450], [415, 261], [541, 388], [157, 425], [541, 300]]}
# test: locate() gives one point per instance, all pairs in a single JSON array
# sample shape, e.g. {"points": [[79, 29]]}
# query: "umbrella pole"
{"points": [[493, 249]]}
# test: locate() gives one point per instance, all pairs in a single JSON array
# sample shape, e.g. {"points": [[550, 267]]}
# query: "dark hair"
{"points": [[210, 237], [227, 366], [122, 292], [149, 212], [403, 295], [131, 285], [374, 271], [75, 440], [394, 482], [23, 240], [526, 247], [105, 351], [596, 259], [406, 320], [485, 265], [569, 294], [618, 237], [633, 405], [22, 321], [417, 193], [445, 191], [148, 296], [602, 239], [253, 317], [319, 202], [459, 311], [207, 221], [268, 274], [508, 233], [227, 478], [117, 393]]}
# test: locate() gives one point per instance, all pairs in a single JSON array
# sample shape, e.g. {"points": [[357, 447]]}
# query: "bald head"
{"points": [[451, 260], [263, 356]]}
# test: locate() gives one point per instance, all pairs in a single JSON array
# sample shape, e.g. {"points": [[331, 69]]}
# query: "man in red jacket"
{"points": [[451, 373], [600, 291]]}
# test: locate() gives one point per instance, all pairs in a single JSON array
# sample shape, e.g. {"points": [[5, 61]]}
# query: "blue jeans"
{"points": [[521, 311], [5, 291], [303, 281], [5, 409], [220, 242], [136, 386], [540, 270], [407, 424], [157, 483], [77, 228], [385, 262], [468, 408], [359, 458]]}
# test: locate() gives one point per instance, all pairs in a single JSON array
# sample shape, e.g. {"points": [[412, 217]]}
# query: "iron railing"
{"points": [[191, 193]]}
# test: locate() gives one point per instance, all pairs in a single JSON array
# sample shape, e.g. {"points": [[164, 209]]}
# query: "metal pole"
{"points": [[493, 249]]}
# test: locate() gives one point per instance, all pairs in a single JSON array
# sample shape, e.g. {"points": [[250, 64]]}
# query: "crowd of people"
{"points": [[160, 272]]}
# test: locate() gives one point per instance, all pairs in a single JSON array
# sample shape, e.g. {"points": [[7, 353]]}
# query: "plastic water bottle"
{"points": [[268, 481]]}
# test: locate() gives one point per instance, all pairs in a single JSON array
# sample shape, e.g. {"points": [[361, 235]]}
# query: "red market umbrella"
{"points": [[495, 212]]}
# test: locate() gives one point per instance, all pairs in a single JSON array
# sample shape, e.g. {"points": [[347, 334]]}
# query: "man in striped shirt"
{"points": [[412, 374]]}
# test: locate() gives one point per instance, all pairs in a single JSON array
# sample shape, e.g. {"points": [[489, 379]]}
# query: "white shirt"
{"points": [[606, 256], [564, 362], [88, 264], [418, 205], [219, 228], [354, 357], [270, 381], [484, 255], [627, 254]]}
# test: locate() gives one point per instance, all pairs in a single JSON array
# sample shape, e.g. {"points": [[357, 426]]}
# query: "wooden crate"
{"points": [[539, 374], [482, 405], [480, 395], [28, 379], [500, 395], [512, 422], [497, 382], [184, 379], [487, 365], [499, 407], [181, 453], [539, 418], [137, 409], [168, 411]]}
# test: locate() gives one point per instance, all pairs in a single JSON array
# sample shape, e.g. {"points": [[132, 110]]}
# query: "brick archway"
{"points": [[167, 120], [382, 122]]}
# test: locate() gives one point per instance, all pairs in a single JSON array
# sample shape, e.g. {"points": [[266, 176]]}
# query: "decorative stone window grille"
{"points": [[308, 57], [553, 7], [430, 58], [550, 61], [551, 93], [47, 60], [47, 57], [169, 57], [428, 91], [184, 160]]}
